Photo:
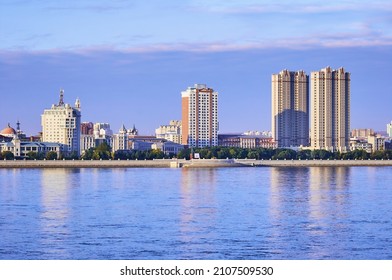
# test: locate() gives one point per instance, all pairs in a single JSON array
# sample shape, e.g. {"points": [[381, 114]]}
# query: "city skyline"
{"points": [[122, 73]]}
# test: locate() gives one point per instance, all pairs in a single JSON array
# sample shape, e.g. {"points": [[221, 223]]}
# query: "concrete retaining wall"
{"points": [[199, 163]]}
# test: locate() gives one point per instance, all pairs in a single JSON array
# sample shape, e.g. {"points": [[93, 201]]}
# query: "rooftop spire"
{"points": [[61, 102]]}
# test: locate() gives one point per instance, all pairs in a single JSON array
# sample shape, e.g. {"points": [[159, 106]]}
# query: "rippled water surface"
{"points": [[223, 213]]}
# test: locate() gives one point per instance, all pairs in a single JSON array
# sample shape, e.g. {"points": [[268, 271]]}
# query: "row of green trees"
{"points": [[281, 154], [31, 155], [103, 151]]}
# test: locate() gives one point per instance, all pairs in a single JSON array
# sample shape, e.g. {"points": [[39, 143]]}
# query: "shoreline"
{"points": [[181, 163]]}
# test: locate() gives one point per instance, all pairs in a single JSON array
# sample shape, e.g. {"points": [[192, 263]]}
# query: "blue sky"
{"points": [[128, 61]]}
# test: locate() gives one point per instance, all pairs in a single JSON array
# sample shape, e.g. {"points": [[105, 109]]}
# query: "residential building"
{"points": [[330, 109], [389, 129], [87, 128], [290, 108], [61, 124], [171, 132], [377, 142], [100, 133], [362, 133], [199, 116], [360, 144], [121, 140]]}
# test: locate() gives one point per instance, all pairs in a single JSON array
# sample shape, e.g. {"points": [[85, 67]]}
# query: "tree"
{"points": [[378, 155], [304, 154], [51, 155], [88, 154], [7, 155], [185, 153], [322, 154], [286, 154], [102, 151], [253, 154], [73, 155], [32, 155]]}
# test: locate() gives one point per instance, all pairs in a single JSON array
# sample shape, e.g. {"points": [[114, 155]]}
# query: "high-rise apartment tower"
{"points": [[330, 109], [199, 116], [61, 124], [290, 108]]}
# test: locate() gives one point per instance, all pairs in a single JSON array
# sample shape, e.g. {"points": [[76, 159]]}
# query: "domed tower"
{"points": [[8, 131]]}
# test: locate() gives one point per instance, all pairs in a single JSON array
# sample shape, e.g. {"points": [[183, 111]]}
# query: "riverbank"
{"points": [[181, 163]]}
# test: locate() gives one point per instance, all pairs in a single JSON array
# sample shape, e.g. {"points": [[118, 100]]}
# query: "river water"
{"points": [[222, 213]]}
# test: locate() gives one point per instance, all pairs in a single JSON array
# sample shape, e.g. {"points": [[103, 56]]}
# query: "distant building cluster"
{"points": [[308, 112]]}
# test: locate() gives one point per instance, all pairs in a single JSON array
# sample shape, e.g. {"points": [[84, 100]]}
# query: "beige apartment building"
{"points": [[290, 108], [171, 132], [330, 109], [199, 116], [61, 124]]}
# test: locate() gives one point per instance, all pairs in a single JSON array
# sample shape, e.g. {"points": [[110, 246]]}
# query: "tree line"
{"points": [[280, 154], [103, 151]]}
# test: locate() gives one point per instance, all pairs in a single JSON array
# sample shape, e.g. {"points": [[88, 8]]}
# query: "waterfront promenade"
{"points": [[181, 163]]}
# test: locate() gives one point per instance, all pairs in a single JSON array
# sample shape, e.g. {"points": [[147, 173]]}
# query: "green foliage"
{"points": [[35, 155], [102, 151], [7, 155], [285, 154], [51, 155], [88, 154], [140, 155], [185, 153], [304, 154]]}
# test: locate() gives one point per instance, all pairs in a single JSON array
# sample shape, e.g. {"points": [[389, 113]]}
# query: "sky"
{"points": [[128, 61]]}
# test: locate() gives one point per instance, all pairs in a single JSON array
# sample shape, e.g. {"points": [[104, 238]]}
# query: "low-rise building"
{"points": [[360, 144], [168, 147], [246, 141], [377, 142], [22, 149]]}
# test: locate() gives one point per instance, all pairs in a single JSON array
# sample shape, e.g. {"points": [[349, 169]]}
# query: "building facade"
{"points": [[246, 141], [362, 133], [290, 108], [100, 133], [61, 124], [199, 116], [377, 142], [389, 129], [330, 107], [22, 149], [171, 132], [121, 140]]}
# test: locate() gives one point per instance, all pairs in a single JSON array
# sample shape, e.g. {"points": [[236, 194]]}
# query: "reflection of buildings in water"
{"points": [[287, 186], [327, 195], [307, 205], [197, 209], [55, 207]]}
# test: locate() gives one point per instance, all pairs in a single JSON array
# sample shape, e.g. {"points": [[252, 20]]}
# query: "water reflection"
{"points": [[197, 211], [55, 186], [309, 202]]}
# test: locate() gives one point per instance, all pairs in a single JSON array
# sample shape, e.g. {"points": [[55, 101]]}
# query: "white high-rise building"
{"points": [[61, 124], [290, 108], [199, 116], [330, 109]]}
